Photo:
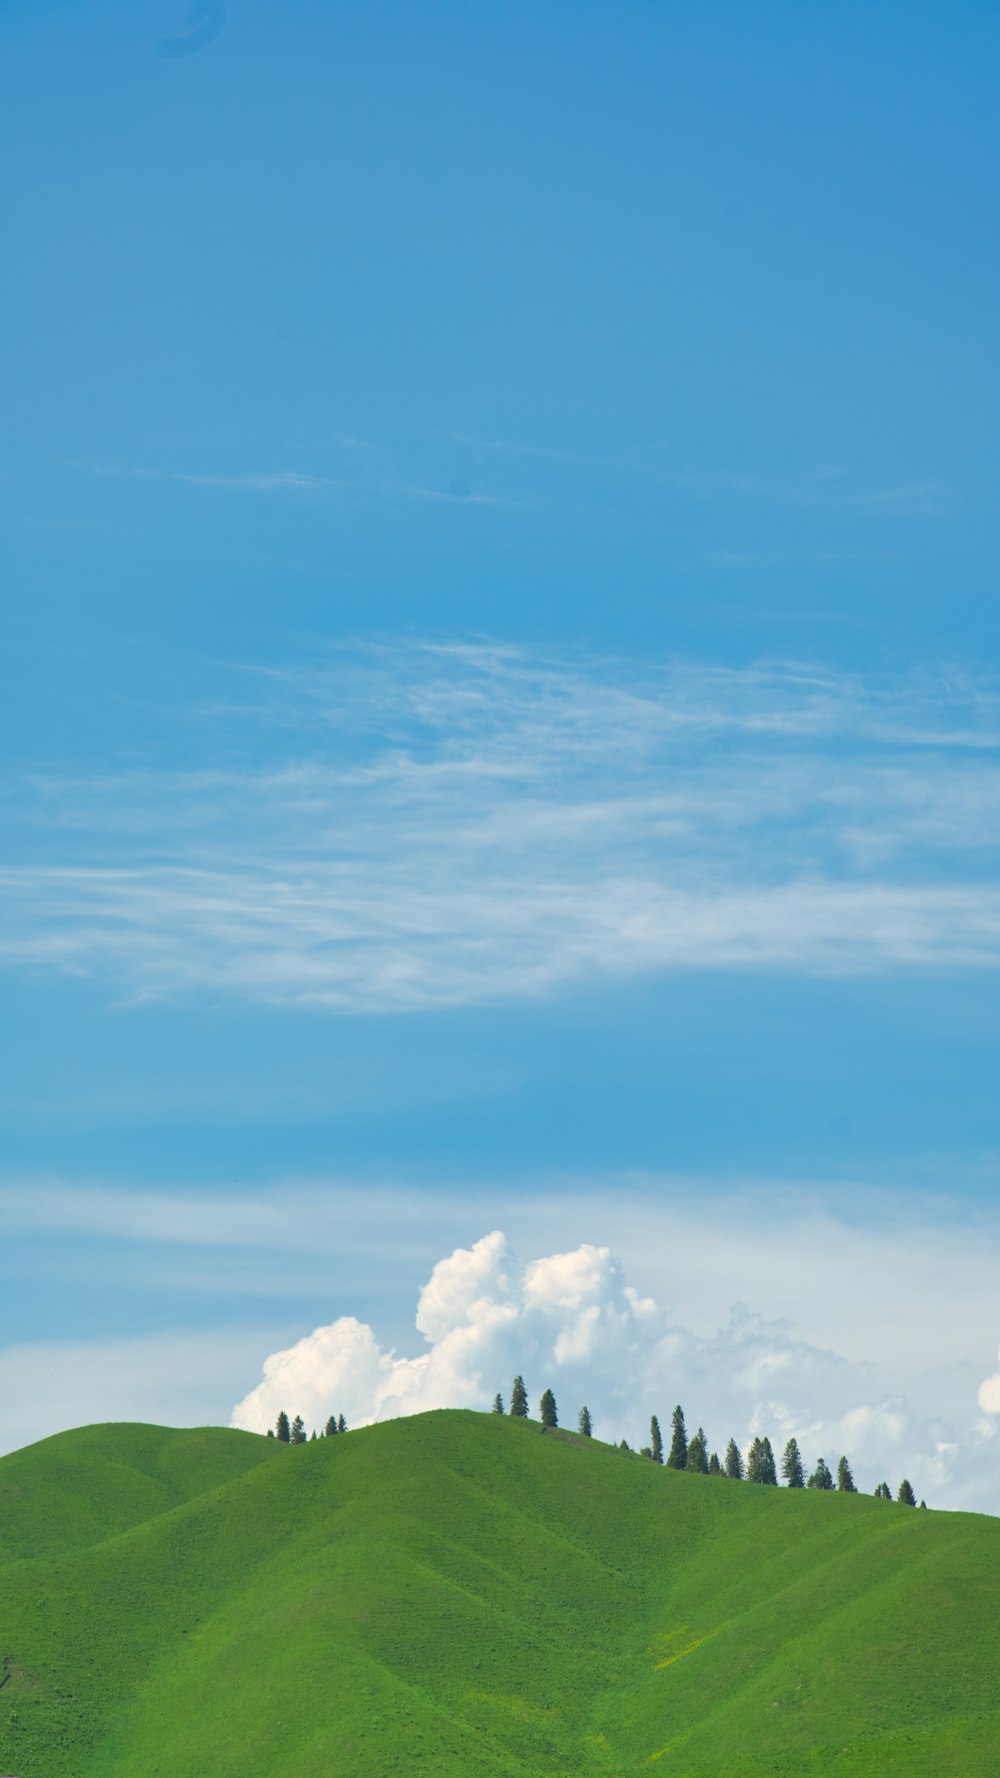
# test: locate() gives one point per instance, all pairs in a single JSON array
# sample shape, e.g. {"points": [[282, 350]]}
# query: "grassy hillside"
{"points": [[461, 1595]]}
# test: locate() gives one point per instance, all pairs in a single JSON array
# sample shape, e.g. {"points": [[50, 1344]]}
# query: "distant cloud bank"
{"points": [[571, 1322]]}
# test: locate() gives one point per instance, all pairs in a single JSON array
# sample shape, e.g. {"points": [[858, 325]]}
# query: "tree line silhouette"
{"points": [[693, 1455], [690, 1454], [293, 1432]]}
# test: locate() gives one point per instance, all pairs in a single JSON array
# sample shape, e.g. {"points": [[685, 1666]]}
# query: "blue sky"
{"points": [[501, 718]]}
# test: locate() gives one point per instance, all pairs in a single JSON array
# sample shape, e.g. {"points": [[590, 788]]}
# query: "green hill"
{"points": [[458, 1594]]}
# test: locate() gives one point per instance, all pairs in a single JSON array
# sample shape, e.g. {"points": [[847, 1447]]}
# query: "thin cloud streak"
{"points": [[454, 824], [296, 481], [829, 486], [279, 481]]}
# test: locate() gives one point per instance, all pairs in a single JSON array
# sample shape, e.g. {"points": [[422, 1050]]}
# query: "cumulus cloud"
{"points": [[572, 1322], [483, 1315]]}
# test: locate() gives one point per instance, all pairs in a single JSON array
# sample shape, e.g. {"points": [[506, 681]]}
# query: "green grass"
{"points": [[458, 1595]]}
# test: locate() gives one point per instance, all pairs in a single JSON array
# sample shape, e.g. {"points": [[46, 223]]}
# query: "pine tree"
{"points": [[281, 1428], [735, 1468], [312, 1435], [270, 1432], [769, 1472], [298, 1431], [547, 1409], [791, 1465], [906, 1496], [678, 1443], [923, 1506], [341, 1423], [624, 1446], [647, 1451], [697, 1456], [585, 1423], [883, 1491], [331, 1426], [498, 1403], [519, 1399], [714, 1466], [845, 1480], [755, 1461], [656, 1440], [821, 1477]]}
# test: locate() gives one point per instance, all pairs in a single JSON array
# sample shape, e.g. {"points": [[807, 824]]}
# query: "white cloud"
{"points": [[889, 1321], [464, 824], [569, 1321], [989, 1394], [857, 1277]]}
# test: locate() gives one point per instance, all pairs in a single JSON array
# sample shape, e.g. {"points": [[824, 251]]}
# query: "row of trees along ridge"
{"points": [[294, 1432], [692, 1454]]}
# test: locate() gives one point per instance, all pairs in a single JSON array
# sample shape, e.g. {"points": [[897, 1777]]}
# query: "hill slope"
{"points": [[458, 1595]]}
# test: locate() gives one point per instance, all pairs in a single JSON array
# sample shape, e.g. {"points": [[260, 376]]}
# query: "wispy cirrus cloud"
{"points": [[278, 481], [821, 485], [443, 825], [307, 482]]}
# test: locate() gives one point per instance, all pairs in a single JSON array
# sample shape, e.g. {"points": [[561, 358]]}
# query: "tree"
{"points": [[821, 1477], [791, 1465], [647, 1451], [498, 1403], [298, 1431], [585, 1423], [697, 1457], [519, 1399], [270, 1432], [761, 1465], [312, 1435], [624, 1446], [547, 1409], [331, 1427], [906, 1496], [845, 1480], [714, 1466], [883, 1491], [281, 1428], [735, 1468], [341, 1423], [923, 1506], [678, 1443], [656, 1440]]}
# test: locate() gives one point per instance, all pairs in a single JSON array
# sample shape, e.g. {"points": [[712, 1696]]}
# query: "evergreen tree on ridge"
{"points": [[821, 1477], [697, 1454], [735, 1467], [791, 1465], [678, 1442], [845, 1480]]}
